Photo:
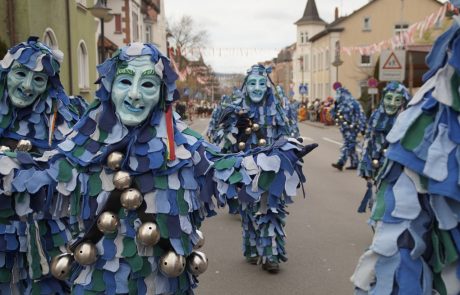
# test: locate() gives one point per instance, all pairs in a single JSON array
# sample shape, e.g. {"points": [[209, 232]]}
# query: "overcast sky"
{"points": [[265, 25]]}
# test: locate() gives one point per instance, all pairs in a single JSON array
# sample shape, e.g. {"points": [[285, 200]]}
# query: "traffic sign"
{"points": [[372, 90], [392, 65], [372, 83], [303, 88]]}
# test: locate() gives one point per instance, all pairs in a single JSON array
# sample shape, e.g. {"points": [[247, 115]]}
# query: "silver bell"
{"points": [[200, 242], [107, 222], [85, 253], [375, 163], [131, 199], [61, 266], [255, 127], [248, 131], [122, 180], [262, 142], [384, 151], [114, 160], [172, 264], [241, 146], [4, 149], [197, 263], [148, 234], [24, 145]]}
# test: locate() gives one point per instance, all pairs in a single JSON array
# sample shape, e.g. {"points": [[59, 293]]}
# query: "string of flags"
{"points": [[406, 37]]}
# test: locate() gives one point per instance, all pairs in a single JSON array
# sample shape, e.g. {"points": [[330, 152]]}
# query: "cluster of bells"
{"points": [[253, 128], [340, 118], [148, 234], [23, 145]]}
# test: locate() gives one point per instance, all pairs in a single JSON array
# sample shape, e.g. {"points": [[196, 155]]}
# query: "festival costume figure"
{"points": [[35, 115], [416, 245], [258, 119], [129, 187], [348, 114], [394, 98]]}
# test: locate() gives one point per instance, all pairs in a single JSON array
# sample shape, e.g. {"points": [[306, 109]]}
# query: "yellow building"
{"points": [[377, 21]]}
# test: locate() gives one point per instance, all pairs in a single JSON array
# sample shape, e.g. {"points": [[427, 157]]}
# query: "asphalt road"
{"points": [[325, 234]]}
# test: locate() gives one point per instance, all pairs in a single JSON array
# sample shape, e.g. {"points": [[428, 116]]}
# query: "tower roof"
{"points": [[310, 15]]}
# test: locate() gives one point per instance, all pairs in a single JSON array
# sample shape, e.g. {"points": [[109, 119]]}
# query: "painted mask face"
{"points": [[392, 102], [136, 90], [256, 87], [24, 85]]}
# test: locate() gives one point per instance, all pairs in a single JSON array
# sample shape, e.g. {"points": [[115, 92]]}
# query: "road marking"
{"points": [[307, 138], [332, 141]]}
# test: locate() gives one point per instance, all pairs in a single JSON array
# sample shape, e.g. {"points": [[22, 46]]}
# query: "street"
{"points": [[325, 234]]}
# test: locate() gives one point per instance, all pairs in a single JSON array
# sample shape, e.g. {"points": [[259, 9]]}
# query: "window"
{"points": [[306, 61], [301, 38], [306, 37], [365, 60], [117, 24], [314, 62], [327, 90], [83, 66], [367, 24], [49, 38], [328, 59], [148, 33], [135, 27], [401, 28]]}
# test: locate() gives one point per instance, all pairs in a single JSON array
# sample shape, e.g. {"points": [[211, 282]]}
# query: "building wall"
{"points": [[159, 29], [30, 21], [303, 51], [352, 73]]}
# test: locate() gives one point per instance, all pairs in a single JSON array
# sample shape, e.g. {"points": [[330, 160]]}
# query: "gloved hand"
{"points": [[305, 150], [243, 121]]}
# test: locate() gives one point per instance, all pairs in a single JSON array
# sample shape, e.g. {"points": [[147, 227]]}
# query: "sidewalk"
{"points": [[316, 124]]}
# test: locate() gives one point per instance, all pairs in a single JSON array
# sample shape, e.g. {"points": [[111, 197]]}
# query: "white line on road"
{"points": [[307, 138], [333, 141]]}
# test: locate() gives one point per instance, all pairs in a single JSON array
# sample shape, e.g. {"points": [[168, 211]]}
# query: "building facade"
{"points": [[321, 55], [66, 25]]}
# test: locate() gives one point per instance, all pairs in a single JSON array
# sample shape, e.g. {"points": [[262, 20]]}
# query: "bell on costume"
{"points": [[197, 263], [4, 149], [85, 253], [24, 145], [200, 243], [114, 160], [248, 131], [255, 127], [122, 180], [61, 266], [172, 264], [262, 142], [108, 222], [148, 234], [131, 199], [375, 163], [241, 146]]}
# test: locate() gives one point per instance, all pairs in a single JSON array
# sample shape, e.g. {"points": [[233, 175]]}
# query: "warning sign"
{"points": [[392, 65]]}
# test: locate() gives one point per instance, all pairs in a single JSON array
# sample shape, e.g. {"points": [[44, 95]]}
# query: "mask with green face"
{"points": [[256, 87], [24, 85], [136, 90], [392, 102]]}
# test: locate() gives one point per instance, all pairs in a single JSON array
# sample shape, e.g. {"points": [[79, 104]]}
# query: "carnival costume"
{"points": [[249, 123], [35, 115], [292, 111], [131, 185], [394, 98], [416, 246], [348, 114], [215, 116]]}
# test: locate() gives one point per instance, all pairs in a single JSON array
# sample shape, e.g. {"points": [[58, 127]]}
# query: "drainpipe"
{"points": [[10, 21], [69, 46]]}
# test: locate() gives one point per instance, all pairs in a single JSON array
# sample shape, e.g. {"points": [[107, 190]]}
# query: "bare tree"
{"points": [[186, 33]]}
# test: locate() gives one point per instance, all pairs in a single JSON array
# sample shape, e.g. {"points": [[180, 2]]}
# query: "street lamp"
{"points": [[102, 12]]}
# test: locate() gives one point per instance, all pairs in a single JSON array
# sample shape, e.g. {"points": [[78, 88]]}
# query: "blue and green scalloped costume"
{"points": [[262, 222], [26, 216], [348, 114], [416, 245], [375, 143]]}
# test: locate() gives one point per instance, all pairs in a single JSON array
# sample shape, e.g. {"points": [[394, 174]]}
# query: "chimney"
{"points": [[336, 13]]}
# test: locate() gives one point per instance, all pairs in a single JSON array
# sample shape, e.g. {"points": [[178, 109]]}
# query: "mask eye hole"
{"points": [[39, 79], [147, 84], [21, 74], [126, 82]]}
